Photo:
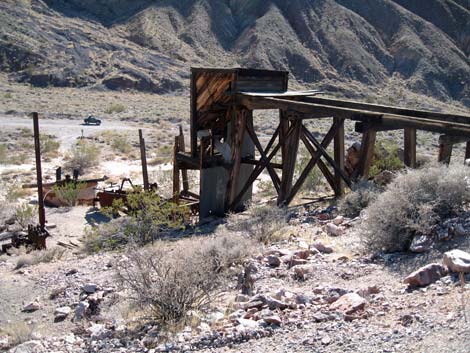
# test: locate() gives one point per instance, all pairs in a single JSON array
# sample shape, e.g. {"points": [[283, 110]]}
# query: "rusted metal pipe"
{"points": [[37, 148]]}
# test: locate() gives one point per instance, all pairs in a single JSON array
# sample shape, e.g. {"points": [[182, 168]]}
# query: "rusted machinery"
{"points": [[225, 147]]}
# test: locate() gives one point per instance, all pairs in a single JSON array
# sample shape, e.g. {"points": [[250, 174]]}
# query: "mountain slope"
{"points": [[149, 45]]}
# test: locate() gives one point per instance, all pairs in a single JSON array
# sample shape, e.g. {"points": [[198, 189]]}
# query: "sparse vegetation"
{"points": [[171, 281], [49, 145], [361, 195], [115, 108], [25, 214], [17, 332], [121, 144], [68, 192], [39, 256], [262, 223], [3, 153], [385, 158], [15, 192], [83, 156], [413, 203]]}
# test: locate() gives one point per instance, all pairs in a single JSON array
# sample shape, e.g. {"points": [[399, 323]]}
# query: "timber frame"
{"points": [[222, 131]]}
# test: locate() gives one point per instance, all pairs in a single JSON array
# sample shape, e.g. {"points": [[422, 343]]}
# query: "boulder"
{"points": [[90, 288], [272, 319], [274, 261], [349, 303], [28, 347], [457, 261], [325, 249], [421, 243], [334, 230], [61, 313], [426, 275]]}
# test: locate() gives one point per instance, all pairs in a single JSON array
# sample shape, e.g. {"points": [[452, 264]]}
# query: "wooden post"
{"points": [[176, 173], [467, 151], [410, 147], [289, 156], [238, 133], [37, 149], [143, 158], [445, 152], [339, 157], [367, 153], [184, 172]]}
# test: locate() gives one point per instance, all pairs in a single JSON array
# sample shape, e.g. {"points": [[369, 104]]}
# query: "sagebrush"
{"points": [[83, 156], [361, 195], [413, 203]]}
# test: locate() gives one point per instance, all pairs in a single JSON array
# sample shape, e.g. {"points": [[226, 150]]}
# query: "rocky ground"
{"points": [[312, 291]]}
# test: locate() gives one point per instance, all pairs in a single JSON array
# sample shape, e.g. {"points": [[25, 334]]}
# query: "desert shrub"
{"points": [[15, 192], [385, 158], [49, 145], [18, 332], [25, 214], [83, 156], [171, 280], [414, 202], [3, 153], [149, 217], [39, 256], [167, 282], [115, 108], [262, 223], [361, 195], [68, 192], [120, 143]]}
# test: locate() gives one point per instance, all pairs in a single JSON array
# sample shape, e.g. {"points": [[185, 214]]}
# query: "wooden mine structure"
{"points": [[224, 143]]}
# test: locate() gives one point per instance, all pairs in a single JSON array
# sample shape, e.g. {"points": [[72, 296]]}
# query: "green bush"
{"points": [[49, 145], [413, 203], [120, 143], [68, 192], [385, 158], [83, 156], [314, 180], [25, 214]]}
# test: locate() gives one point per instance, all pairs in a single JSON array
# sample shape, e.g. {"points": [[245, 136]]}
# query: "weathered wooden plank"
{"points": [[339, 158], [445, 153], [176, 173], [467, 151], [289, 156], [184, 172], [367, 153], [410, 147]]}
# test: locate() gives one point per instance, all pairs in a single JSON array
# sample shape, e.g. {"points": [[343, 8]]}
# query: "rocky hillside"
{"points": [[149, 45]]}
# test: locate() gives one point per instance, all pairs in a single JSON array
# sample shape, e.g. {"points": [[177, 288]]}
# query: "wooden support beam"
{"points": [[313, 161], [37, 149], [450, 139], [239, 119], [445, 153], [467, 151], [289, 156], [339, 158], [410, 147], [143, 158], [271, 171], [247, 160], [184, 172], [176, 172], [367, 153], [360, 127]]}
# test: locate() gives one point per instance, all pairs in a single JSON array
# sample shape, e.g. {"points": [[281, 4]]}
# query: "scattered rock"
{"points": [[334, 230], [426, 275], [248, 323], [272, 319], [303, 271], [421, 243], [90, 288], [33, 306], [242, 298], [274, 261], [457, 261], [71, 272], [51, 225], [61, 313], [29, 347], [338, 220], [349, 303], [81, 310], [99, 331], [325, 249]]}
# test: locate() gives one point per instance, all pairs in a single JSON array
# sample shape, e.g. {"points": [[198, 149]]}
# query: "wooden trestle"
{"points": [[224, 142]]}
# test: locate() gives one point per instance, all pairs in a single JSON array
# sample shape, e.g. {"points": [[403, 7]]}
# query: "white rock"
{"points": [[322, 247], [334, 230], [242, 298], [248, 323], [98, 331], [62, 312], [29, 347], [338, 220], [33, 306], [457, 260]]}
